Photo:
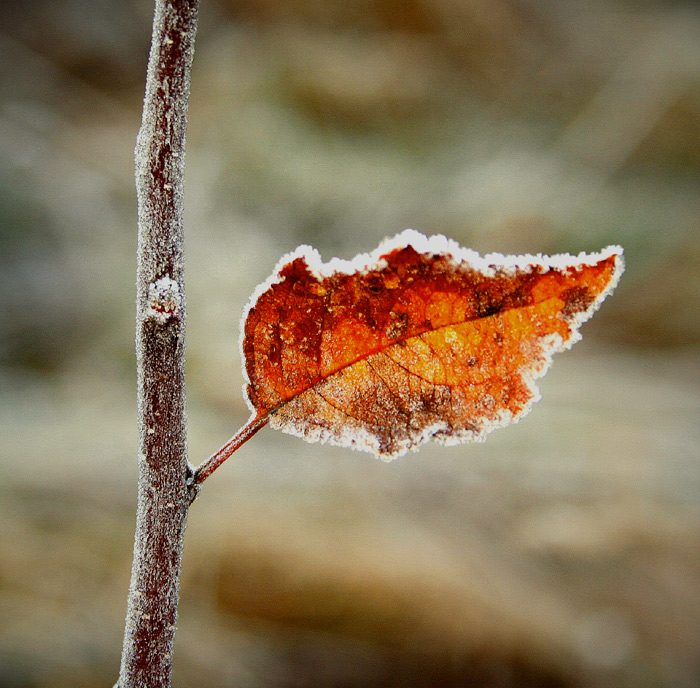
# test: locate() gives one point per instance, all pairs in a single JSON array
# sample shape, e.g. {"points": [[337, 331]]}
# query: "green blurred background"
{"points": [[563, 552]]}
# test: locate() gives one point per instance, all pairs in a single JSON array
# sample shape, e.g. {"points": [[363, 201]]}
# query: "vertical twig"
{"points": [[163, 496]]}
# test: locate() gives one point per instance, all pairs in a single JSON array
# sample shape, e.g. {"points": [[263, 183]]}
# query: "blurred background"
{"points": [[563, 552]]}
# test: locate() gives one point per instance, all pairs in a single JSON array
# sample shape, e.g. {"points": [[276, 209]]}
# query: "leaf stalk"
{"points": [[216, 459]]}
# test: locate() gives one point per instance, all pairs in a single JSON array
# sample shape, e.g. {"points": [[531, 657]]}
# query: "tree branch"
{"points": [[163, 494]]}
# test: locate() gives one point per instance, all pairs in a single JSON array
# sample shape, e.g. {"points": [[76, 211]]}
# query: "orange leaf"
{"points": [[420, 339]]}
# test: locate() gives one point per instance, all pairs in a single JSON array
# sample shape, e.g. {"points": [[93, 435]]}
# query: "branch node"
{"points": [[192, 486]]}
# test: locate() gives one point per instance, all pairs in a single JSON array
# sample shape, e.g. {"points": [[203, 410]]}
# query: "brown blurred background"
{"points": [[563, 552]]}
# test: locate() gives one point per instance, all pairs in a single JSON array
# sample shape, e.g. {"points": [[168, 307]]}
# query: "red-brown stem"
{"points": [[163, 493], [216, 459]]}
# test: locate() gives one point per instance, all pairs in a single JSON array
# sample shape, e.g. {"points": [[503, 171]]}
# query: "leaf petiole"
{"points": [[203, 471]]}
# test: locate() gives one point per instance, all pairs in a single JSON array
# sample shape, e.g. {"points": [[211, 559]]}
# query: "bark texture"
{"points": [[163, 494]]}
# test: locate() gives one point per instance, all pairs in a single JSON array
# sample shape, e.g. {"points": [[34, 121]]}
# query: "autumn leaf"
{"points": [[420, 339]]}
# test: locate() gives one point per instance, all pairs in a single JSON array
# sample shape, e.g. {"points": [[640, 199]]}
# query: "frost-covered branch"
{"points": [[163, 494]]}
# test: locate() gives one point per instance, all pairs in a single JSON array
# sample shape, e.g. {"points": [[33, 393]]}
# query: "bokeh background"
{"points": [[563, 552]]}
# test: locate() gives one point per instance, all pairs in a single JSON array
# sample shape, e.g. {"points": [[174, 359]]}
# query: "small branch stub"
{"points": [[164, 300]]}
